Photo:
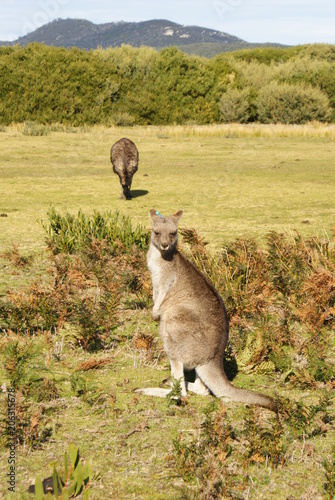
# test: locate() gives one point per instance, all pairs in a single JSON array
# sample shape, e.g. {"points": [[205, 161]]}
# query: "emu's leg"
{"points": [[127, 193], [123, 192], [123, 197]]}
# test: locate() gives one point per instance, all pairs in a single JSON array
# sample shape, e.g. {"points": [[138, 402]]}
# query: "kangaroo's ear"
{"points": [[176, 217], [154, 215]]}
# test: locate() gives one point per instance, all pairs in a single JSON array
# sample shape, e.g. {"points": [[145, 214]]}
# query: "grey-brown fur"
{"points": [[193, 321], [124, 157]]}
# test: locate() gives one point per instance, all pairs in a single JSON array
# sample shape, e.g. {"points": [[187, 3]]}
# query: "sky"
{"points": [[290, 22]]}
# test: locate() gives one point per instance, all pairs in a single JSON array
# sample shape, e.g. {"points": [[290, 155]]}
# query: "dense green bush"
{"points": [[285, 103], [235, 105], [267, 55], [69, 233], [127, 85], [46, 85]]}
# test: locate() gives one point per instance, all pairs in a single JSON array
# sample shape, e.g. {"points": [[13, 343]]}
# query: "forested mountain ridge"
{"points": [[157, 33]]}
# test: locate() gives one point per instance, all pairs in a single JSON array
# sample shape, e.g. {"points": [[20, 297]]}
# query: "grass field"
{"points": [[231, 181]]}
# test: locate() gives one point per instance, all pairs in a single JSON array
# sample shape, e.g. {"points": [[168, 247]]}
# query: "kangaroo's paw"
{"points": [[153, 391]]}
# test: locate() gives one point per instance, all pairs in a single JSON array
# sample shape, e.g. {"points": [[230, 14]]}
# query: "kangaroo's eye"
{"points": [[157, 233], [174, 233]]}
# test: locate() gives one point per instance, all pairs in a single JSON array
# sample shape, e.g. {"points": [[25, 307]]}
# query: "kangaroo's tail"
{"points": [[213, 375]]}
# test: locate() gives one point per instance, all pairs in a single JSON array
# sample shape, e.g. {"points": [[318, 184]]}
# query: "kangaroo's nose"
{"points": [[164, 246]]}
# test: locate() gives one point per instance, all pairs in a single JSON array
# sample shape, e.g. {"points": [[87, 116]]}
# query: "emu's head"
{"points": [[164, 233]]}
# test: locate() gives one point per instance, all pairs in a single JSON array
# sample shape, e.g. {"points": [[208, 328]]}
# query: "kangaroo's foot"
{"points": [[159, 392], [153, 391], [198, 387]]}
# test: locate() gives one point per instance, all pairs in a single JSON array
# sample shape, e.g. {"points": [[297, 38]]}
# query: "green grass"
{"points": [[227, 183], [230, 181], [130, 437]]}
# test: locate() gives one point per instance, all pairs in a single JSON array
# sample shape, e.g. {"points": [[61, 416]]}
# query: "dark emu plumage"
{"points": [[124, 157]]}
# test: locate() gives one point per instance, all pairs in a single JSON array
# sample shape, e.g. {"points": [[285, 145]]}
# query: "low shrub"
{"points": [[279, 299], [219, 461], [285, 103], [68, 233], [235, 106], [123, 119]]}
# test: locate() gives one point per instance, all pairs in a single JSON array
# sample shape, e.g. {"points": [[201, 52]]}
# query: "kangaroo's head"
{"points": [[164, 231]]}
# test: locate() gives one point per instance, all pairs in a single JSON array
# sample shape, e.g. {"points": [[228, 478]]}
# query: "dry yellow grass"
{"points": [[314, 129]]}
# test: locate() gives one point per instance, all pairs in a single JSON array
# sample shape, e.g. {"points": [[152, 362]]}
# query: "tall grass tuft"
{"points": [[312, 129], [68, 233], [35, 129]]}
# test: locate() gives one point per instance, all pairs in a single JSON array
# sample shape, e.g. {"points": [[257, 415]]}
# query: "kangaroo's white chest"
{"points": [[162, 274], [154, 266]]}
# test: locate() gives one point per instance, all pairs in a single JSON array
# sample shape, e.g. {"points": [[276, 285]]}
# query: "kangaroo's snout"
{"points": [[164, 240]]}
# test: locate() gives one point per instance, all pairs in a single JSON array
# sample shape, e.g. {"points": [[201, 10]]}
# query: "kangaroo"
{"points": [[124, 157], [193, 321]]}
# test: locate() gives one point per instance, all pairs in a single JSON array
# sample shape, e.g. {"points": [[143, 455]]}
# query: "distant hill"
{"points": [[157, 33]]}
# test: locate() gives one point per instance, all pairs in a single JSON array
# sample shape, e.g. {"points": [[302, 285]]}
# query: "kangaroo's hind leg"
{"points": [[197, 386], [177, 372], [213, 376]]}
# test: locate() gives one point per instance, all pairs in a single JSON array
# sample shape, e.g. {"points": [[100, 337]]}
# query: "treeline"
{"points": [[126, 85]]}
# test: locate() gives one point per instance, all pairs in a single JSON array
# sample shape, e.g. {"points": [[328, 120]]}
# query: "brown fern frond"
{"points": [[192, 237], [94, 364]]}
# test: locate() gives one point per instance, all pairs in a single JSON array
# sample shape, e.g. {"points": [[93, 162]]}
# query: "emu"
{"points": [[124, 157]]}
